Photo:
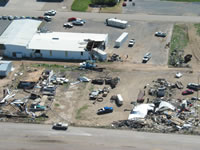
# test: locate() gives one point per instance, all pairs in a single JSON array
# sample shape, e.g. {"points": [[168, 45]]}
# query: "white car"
{"points": [[160, 34], [50, 13], [131, 43], [68, 25], [146, 57], [178, 75], [47, 18]]}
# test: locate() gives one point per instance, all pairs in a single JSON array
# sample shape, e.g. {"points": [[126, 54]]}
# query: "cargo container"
{"points": [[121, 39]]}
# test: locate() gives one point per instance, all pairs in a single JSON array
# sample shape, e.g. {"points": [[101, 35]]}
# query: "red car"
{"points": [[123, 4], [72, 19], [41, 17], [187, 92]]}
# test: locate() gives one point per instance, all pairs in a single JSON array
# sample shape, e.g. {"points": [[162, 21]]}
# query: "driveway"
{"points": [[157, 7]]}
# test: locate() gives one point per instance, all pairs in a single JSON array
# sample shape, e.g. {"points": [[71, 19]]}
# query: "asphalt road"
{"points": [[162, 7], [15, 136], [62, 15]]}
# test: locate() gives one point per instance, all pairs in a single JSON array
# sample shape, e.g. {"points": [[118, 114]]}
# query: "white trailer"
{"points": [[121, 39], [116, 23]]}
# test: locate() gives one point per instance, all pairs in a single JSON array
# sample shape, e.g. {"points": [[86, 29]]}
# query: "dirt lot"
{"points": [[72, 102]]}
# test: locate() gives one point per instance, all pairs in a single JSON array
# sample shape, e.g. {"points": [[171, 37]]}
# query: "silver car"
{"points": [[146, 57]]}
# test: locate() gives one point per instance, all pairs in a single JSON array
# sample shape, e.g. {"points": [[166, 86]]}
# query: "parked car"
{"points": [[187, 92], [193, 86], [94, 94], [22, 17], [160, 34], [78, 23], [68, 25], [104, 110], [10, 17], [72, 19], [98, 81], [178, 75], [124, 4], [40, 17], [60, 126], [146, 57], [131, 43], [47, 18], [28, 17], [4, 17], [50, 13], [16, 17]]}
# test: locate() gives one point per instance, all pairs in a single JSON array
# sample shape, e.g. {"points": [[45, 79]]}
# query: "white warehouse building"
{"points": [[23, 40]]}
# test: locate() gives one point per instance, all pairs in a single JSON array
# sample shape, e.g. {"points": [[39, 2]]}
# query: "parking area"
{"points": [[39, 5], [162, 7], [142, 32]]}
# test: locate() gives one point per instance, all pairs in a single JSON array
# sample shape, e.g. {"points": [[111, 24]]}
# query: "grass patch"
{"points": [[80, 5], [184, 0], [80, 110], [178, 42], [197, 26], [57, 105], [91, 88], [116, 9], [56, 67]]}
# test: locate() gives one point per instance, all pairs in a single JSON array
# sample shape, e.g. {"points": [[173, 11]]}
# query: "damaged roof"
{"points": [[64, 41]]}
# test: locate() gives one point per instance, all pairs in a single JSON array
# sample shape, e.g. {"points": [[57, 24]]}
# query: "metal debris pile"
{"points": [[163, 112]]}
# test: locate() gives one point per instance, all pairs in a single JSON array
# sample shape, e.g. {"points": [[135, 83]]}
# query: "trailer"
{"points": [[114, 22], [121, 39]]}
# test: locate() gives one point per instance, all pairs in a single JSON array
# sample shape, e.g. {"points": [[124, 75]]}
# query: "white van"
{"points": [[119, 100]]}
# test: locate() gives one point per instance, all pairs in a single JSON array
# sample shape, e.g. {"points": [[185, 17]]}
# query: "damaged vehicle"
{"points": [[104, 110]]}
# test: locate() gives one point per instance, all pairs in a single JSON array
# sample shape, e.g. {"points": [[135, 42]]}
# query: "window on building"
{"points": [[81, 53], [66, 54], [50, 53], [37, 51], [14, 54], [2, 46]]}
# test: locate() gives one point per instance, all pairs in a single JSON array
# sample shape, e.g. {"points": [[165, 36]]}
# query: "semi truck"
{"points": [[114, 22]]}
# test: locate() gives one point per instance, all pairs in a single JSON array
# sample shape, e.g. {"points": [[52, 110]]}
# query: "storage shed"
{"points": [[5, 68]]}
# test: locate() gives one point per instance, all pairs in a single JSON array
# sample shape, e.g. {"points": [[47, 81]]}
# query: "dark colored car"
{"points": [[193, 86], [60, 126], [98, 81], [187, 92], [124, 4], [4, 17], [41, 17], [160, 34], [104, 110]]}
